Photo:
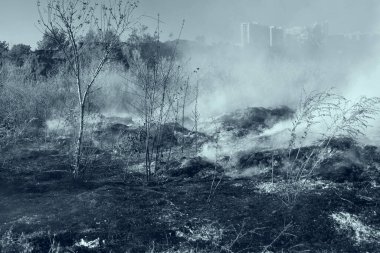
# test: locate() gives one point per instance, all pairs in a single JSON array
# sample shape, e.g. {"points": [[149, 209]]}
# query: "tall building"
{"points": [[255, 35], [276, 37], [260, 35], [244, 33]]}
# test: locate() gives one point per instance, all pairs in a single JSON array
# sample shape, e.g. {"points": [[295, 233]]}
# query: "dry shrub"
{"points": [[333, 117]]}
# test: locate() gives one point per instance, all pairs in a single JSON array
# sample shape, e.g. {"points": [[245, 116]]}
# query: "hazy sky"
{"points": [[217, 20]]}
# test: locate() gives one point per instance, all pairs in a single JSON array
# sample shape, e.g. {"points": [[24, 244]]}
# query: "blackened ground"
{"points": [[182, 210], [254, 119]]}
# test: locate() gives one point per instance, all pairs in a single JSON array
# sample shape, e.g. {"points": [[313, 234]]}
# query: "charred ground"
{"points": [[239, 204]]}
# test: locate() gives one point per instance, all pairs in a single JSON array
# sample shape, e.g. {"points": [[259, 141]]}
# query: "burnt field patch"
{"points": [[43, 208]]}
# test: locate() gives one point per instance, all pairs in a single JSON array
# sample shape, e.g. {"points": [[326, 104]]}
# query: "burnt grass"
{"points": [[41, 206]]}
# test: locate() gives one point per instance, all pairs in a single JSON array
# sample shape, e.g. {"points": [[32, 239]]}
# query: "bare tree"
{"points": [[196, 113], [185, 93], [73, 19], [156, 78]]}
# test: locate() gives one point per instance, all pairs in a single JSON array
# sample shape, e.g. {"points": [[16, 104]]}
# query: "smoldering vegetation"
{"points": [[116, 141]]}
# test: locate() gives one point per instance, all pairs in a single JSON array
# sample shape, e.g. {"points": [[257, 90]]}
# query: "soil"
{"points": [[190, 206]]}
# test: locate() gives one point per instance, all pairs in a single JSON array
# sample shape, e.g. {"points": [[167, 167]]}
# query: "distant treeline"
{"points": [[48, 58]]}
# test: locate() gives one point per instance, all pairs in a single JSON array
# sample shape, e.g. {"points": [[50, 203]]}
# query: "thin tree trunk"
{"points": [[147, 136], [183, 113], [79, 143], [81, 119], [196, 117]]}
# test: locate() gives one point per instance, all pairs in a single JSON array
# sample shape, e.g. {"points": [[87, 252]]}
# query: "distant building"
{"points": [[244, 32], [255, 35], [260, 35], [306, 35], [305, 40], [276, 37], [296, 35]]}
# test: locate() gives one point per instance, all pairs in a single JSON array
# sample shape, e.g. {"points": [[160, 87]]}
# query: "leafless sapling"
{"points": [[74, 18]]}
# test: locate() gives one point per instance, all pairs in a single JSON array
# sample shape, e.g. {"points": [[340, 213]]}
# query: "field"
{"points": [[191, 205]]}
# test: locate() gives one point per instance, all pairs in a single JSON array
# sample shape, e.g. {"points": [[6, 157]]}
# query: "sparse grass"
{"points": [[243, 216], [114, 210], [351, 224], [12, 243], [335, 117]]}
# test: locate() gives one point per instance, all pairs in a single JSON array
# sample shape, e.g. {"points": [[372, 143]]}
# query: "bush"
{"points": [[19, 53], [26, 104], [11, 243]]}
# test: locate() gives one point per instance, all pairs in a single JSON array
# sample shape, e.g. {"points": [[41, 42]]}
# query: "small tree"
{"points": [[19, 53], [4, 48], [156, 77], [72, 19], [53, 40], [196, 114], [185, 90]]}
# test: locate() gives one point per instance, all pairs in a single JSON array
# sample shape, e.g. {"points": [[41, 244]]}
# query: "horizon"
{"points": [[18, 19]]}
